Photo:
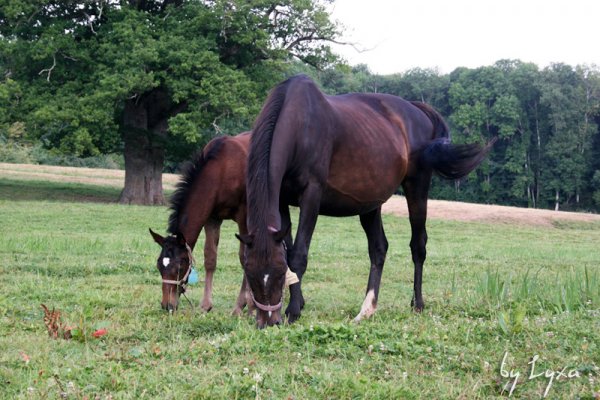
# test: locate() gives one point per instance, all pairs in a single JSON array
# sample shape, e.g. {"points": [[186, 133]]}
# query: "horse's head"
{"points": [[174, 265], [265, 266]]}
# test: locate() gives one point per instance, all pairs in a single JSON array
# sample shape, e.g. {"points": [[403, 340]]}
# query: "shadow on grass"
{"points": [[21, 190]]}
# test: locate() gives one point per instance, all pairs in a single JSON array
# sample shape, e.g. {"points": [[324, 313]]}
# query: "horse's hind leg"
{"points": [[378, 246], [212, 231], [416, 190]]}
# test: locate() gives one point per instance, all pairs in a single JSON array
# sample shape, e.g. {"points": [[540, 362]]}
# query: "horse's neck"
{"points": [[198, 211]]}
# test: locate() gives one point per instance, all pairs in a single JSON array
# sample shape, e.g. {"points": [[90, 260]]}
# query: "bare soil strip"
{"points": [[451, 210], [91, 176]]}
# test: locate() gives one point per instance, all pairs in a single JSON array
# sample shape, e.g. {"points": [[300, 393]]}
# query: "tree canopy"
{"points": [[145, 76]]}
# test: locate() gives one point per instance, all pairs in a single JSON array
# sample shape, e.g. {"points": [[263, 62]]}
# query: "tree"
{"points": [[139, 75], [563, 94]]}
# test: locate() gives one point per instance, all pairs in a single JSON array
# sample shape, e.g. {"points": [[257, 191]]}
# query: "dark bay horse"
{"points": [[339, 156], [212, 189]]}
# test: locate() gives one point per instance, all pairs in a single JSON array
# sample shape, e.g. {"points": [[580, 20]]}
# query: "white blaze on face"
{"points": [[265, 279], [166, 261], [368, 308]]}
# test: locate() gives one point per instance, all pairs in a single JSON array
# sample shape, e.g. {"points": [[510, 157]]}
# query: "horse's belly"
{"points": [[365, 181], [336, 204]]}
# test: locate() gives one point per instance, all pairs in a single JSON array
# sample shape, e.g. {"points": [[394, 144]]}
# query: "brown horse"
{"points": [[339, 156], [212, 189]]}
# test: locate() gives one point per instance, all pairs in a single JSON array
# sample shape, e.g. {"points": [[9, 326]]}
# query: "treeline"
{"points": [[547, 121]]}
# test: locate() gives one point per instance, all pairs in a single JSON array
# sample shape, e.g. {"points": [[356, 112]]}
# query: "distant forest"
{"points": [[547, 122]]}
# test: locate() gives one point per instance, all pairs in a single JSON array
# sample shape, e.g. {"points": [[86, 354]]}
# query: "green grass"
{"points": [[489, 289]]}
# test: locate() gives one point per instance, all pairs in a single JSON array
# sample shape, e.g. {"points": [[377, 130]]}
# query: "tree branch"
{"points": [[49, 70], [89, 22], [312, 38]]}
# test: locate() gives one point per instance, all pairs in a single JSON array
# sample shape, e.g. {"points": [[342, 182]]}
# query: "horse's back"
{"points": [[229, 174], [357, 146], [371, 154]]}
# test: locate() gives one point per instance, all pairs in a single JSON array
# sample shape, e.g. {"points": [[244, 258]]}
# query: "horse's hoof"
{"points": [[292, 316], [206, 308], [237, 312], [418, 307]]}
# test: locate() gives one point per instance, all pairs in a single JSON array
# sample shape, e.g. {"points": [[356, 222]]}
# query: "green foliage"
{"points": [[70, 69], [14, 152]]}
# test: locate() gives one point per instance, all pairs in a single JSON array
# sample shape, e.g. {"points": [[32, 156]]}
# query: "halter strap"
{"points": [[264, 307], [183, 281]]}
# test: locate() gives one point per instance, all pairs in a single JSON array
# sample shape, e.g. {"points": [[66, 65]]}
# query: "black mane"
{"points": [[257, 178], [190, 172]]}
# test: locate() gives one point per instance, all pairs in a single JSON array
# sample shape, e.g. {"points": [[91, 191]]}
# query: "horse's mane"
{"points": [[190, 171], [440, 127], [257, 179]]}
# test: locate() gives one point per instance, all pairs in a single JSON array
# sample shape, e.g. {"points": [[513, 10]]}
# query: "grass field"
{"points": [[500, 300]]}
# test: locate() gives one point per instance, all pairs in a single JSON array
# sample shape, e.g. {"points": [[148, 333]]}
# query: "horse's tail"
{"points": [[450, 161], [440, 127], [454, 161]]}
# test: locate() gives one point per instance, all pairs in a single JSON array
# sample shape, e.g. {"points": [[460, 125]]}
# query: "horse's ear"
{"points": [[280, 235], [247, 239], [157, 238]]}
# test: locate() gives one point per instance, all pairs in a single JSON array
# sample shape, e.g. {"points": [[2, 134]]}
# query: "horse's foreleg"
{"points": [[244, 299], [286, 220], [298, 259], [212, 231], [378, 246], [416, 191]]}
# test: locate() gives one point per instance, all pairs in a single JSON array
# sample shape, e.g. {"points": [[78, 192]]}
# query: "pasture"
{"points": [[501, 299]]}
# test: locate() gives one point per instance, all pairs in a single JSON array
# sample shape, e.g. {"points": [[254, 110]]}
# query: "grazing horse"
{"points": [[339, 156], [212, 188]]}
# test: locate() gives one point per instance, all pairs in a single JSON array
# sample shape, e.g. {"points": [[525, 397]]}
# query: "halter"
{"points": [[267, 307], [183, 281]]}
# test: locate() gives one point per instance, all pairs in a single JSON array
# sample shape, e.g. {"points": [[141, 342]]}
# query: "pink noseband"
{"points": [[264, 307]]}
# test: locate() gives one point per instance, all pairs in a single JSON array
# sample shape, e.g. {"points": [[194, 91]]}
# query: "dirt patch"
{"points": [[451, 210]]}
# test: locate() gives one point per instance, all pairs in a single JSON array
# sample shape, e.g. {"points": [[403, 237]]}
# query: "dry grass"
{"points": [[92, 176], [456, 211]]}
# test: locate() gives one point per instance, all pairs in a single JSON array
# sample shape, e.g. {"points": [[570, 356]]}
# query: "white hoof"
{"points": [[368, 308]]}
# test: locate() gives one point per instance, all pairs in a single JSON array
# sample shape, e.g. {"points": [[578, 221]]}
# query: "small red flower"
{"points": [[99, 333]]}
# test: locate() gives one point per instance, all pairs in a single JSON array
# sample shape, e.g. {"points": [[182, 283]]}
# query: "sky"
{"points": [[398, 35]]}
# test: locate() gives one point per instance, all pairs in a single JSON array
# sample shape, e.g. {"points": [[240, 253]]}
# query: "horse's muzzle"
{"points": [[268, 318], [168, 307]]}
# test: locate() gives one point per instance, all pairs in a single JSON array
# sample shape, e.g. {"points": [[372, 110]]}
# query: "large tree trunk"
{"points": [[144, 132], [143, 170]]}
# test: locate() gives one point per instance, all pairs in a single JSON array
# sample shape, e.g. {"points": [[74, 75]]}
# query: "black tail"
{"points": [[450, 161], [454, 161]]}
